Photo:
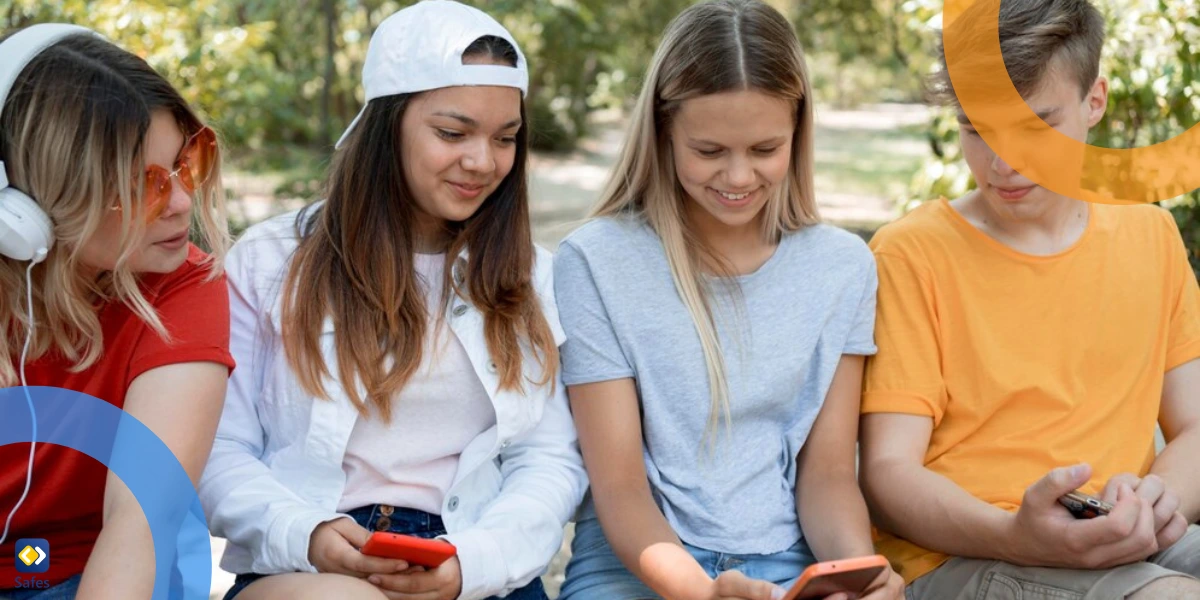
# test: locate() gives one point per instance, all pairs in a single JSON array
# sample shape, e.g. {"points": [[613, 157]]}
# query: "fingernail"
{"points": [[778, 593], [1079, 470], [373, 579]]}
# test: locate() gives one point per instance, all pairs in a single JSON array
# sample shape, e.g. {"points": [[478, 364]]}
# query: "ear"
{"points": [[1097, 101]]}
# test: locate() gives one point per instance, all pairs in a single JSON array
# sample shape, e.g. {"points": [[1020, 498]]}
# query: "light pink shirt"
{"points": [[411, 461]]}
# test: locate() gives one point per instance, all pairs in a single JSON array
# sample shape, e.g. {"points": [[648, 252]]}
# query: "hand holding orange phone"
{"points": [[414, 550], [851, 576]]}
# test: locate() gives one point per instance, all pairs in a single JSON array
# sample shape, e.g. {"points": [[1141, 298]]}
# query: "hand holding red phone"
{"points": [[435, 572], [441, 583], [1169, 523], [859, 578], [333, 548]]}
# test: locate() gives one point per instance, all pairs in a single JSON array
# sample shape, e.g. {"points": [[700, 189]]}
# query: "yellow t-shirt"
{"points": [[1027, 363]]}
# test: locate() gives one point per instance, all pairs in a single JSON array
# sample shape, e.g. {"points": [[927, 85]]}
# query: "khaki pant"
{"points": [[970, 579]]}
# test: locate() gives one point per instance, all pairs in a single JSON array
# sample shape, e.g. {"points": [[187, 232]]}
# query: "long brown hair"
{"points": [[71, 136], [712, 47], [355, 265]]}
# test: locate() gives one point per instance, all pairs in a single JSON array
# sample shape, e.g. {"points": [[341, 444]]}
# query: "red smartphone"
{"points": [[414, 550], [851, 576]]}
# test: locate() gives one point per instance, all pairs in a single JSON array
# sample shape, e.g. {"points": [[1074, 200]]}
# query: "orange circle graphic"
{"points": [[1046, 156]]}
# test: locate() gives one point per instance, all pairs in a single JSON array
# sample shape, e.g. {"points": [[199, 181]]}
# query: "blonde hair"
{"points": [[712, 47], [71, 137]]}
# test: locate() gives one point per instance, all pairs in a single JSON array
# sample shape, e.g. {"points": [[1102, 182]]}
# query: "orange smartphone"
{"points": [[851, 576], [414, 550]]}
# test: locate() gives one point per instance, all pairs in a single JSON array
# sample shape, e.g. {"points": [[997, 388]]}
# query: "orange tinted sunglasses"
{"points": [[193, 167]]}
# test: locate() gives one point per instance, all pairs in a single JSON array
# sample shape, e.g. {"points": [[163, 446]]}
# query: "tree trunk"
{"points": [[893, 19], [327, 92]]}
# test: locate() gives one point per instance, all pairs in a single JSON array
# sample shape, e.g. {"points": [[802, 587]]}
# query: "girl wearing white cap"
{"points": [[399, 343], [716, 333]]}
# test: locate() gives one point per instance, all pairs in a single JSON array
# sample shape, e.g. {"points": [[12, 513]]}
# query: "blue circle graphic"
{"points": [[182, 554]]}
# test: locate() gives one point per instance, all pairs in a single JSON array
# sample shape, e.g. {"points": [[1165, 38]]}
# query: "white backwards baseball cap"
{"points": [[421, 48]]}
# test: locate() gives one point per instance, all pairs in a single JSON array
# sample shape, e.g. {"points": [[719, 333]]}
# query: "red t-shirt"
{"points": [[65, 501]]}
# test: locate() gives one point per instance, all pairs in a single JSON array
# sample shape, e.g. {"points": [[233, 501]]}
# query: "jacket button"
{"points": [[460, 310], [382, 524], [453, 504], [386, 510], [491, 366], [506, 444]]}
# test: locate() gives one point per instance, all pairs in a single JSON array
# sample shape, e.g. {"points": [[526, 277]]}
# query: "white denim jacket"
{"points": [[276, 467]]}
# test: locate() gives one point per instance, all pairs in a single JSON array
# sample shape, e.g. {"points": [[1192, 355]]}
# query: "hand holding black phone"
{"points": [[1083, 506]]}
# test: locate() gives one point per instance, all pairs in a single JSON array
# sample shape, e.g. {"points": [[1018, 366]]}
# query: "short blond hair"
{"points": [[1035, 35]]}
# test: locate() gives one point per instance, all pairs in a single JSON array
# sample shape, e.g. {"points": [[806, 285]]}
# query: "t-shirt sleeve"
{"points": [[195, 312], [545, 290], [592, 352], [1183, 339], [862, 332], [905, 375]]}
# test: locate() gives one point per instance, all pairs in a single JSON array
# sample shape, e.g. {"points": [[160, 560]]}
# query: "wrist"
{"points": [[704, 588], [1007, 539], [855, 549]]}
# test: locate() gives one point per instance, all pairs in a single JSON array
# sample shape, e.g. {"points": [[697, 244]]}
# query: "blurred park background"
{"points": [[279, 79]]}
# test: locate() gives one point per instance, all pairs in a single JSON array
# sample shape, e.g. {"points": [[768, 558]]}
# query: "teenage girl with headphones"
{"points": [[104, 170]]}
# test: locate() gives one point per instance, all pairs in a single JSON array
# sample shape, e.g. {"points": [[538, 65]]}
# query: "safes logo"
{"points": [[33, 555]]}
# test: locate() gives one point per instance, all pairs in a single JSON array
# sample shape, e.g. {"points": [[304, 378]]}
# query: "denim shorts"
{"points": [[407, 521], [595, 573], [63, 591]]}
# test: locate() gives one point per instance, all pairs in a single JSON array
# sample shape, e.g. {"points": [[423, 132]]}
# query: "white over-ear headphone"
{"points": [[26, 232]]}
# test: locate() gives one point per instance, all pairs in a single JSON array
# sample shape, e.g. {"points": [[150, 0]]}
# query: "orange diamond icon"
{"points": [[28, 556]]}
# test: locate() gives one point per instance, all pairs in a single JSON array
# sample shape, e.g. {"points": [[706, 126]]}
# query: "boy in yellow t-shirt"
{"points": [[1028, 344]]}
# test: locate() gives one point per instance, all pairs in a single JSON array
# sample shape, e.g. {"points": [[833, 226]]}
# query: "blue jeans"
{"points": [[595, 573], [63, 591], [405, 521]]}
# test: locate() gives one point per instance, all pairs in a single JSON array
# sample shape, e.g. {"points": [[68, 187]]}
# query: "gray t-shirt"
{"points": [[810, 303]]}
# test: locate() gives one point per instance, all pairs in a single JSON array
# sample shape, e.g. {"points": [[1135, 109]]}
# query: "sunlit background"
{"points": [[279, 80]]}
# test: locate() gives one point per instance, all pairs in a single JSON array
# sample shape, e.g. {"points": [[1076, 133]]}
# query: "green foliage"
{"points": [[269, 72], [231, 61], [864, 51], [1152, 62], [279, 79], [583, 54], [1187, 215]]}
